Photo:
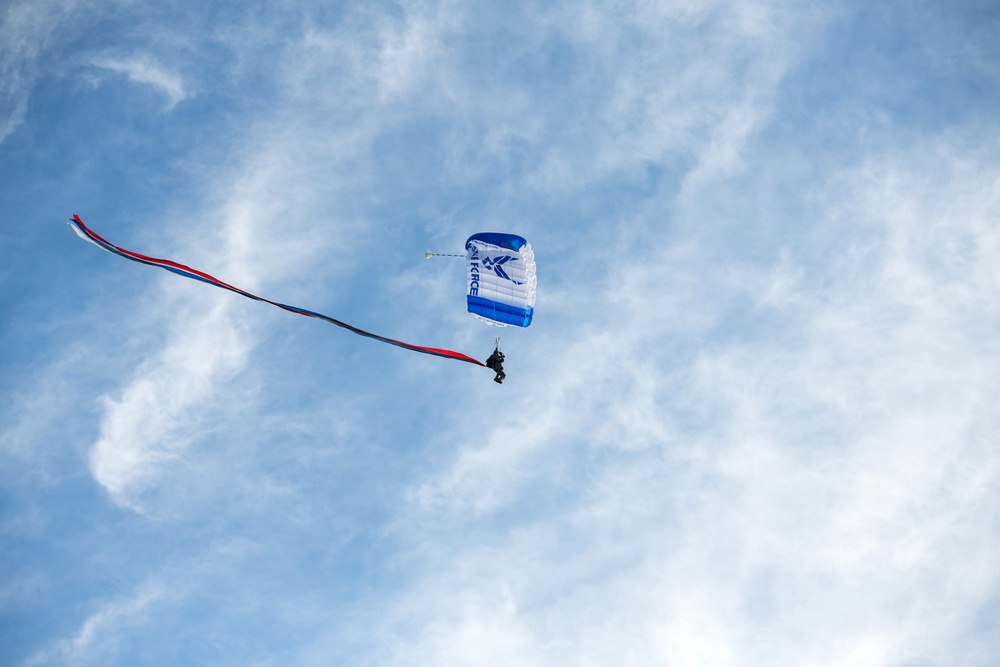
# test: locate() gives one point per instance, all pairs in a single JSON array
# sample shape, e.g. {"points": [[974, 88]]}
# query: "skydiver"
{"points": [[495, 362]]}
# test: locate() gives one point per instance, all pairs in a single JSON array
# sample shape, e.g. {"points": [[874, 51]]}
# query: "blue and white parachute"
{"points": [[501, 278]]}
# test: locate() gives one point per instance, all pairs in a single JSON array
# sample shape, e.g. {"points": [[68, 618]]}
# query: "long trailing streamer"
{"points": [[87, 234]]}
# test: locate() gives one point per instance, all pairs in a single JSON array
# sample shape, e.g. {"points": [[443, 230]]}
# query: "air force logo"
{"points": [[496, 265]]}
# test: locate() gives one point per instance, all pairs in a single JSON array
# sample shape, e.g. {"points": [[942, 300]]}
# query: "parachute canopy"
{"points": [[501, 285]]}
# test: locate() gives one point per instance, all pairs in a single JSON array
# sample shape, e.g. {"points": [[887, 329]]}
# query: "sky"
{"points": [[754, 421]]}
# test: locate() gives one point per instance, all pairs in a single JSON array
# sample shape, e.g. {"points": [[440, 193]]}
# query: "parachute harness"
{"points": [[495, 362]]}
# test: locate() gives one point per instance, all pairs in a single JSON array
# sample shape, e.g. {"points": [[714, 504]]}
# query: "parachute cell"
{"points": [[501, 279]]}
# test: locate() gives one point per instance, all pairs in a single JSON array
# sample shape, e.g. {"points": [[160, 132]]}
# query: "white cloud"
{"points": [[145, 70], [735, 437], [163, 408], [261, 233], [822, 496], [98, 634], [26, 28], [404, 51]]}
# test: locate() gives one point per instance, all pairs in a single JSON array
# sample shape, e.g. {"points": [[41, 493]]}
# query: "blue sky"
{"points": [[753, 423]]}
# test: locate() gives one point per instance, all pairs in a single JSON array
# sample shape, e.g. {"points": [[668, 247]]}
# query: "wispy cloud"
{"points": [[158, 413], [26, 29], [753, 422], [822, 495], [145, 70], [264, 233], [100, 631]]}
